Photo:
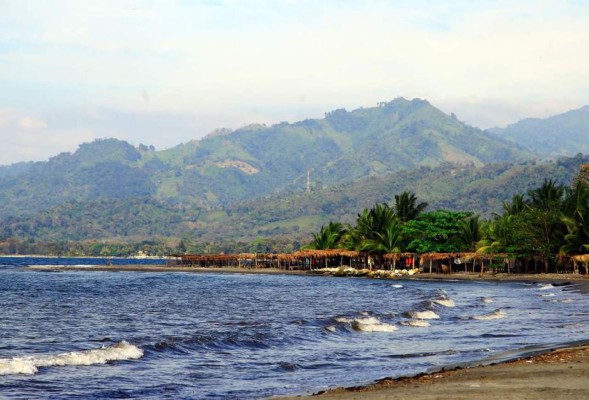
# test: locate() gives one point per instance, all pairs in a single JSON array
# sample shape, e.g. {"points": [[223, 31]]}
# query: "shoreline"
{"points": [[551, 372], [455, 276], [554, 374]]}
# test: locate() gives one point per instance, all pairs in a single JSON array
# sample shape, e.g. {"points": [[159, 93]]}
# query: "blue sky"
{"points": [[166, 72]]}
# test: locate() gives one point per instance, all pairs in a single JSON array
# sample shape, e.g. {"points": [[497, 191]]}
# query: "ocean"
{"points": [[143, 335]]}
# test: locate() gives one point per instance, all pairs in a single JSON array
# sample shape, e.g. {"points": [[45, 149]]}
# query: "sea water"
{"points": [[103, 335]]}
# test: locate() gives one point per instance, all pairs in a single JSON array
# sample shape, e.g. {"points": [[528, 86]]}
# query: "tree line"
{"points": [[545, 222]]}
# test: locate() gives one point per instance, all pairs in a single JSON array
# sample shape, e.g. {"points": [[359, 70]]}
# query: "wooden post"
{"points": [[430, 265]]}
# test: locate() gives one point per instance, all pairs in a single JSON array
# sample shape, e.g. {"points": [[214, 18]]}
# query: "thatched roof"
{"points": [[583, 258], [326, 253], [398, 256]]}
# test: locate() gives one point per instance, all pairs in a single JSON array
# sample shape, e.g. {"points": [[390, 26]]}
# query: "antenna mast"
{"points": [[308, 180]]}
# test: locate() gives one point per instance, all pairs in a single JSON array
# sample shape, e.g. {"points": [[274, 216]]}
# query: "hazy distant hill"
{"points": [[563, 134]]}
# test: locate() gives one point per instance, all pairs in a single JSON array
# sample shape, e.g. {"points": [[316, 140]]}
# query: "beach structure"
{"points": [[427, 263]]}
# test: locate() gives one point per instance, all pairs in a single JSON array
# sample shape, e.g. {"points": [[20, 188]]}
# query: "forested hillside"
{"points": [[284, 221], [560, 135], [236, 189], [254, 161]]}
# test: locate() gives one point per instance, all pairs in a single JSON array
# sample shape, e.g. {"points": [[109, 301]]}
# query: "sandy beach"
{"points": [[558, 375]]}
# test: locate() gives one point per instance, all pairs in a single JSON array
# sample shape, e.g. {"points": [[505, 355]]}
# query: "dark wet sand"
{"points": [[558, 375]]}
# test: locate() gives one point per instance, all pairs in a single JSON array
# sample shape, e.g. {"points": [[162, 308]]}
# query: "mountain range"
{"points": [[252, 182]]}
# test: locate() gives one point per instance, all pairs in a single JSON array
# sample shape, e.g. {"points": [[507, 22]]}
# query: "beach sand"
{"points": [[558, 375]]}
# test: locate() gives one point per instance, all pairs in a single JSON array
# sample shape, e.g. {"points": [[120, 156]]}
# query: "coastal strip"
{"points": [[557, 375], [165, 268], [470, 276]]}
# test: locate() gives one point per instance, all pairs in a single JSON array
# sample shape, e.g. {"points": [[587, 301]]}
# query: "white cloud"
{"points": [[227, 63]]}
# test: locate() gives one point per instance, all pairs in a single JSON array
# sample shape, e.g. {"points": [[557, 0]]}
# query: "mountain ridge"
{"points": [[231, 166], [558, 135]]}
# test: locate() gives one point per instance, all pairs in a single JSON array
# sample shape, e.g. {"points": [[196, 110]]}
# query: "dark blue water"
{"points": [[103, 335]]}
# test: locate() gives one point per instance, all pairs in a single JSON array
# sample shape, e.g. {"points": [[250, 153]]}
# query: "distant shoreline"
{"points": [[499, 277]]}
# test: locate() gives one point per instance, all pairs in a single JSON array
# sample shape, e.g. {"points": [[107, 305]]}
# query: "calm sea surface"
{"points": [[104, 335]]}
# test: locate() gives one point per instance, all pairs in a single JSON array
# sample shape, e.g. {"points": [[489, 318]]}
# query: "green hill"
{"points": [[563, 134], [247, 184], [288, 217], [230, 166]]}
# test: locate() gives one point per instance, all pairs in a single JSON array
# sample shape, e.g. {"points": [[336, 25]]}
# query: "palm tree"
{"points": [[329, 237], [495, 236], [406, 207], [373, 221], [469, 233], [576, 219], [517, 205], [549, 195], [387, 241]]}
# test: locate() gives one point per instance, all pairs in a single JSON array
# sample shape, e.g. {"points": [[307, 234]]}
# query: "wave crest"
{"points": [[497, 314], [371, 324], [417, 323], [30, 364], [445, 302], [423, 315]]}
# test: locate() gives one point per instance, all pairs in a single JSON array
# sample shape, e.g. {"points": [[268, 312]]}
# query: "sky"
{"points": [[166, 72]]}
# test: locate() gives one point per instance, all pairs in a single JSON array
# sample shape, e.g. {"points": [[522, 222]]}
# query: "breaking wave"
{"points": [[30, 364], [417, 323], [422, 315], [367, 324], [497, 314], [445, 302], [371, 324]]}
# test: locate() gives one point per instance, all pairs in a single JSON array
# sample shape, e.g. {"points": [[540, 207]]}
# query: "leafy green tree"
{"points": [[432, 231], [538, 231]]}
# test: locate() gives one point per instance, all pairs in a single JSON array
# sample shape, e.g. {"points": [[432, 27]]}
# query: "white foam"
{"points": [[423, 315], [497, 314], [548, 295], [562, 301], [445, 302], [343, 320], [371, 324], [418, 323], [30, 364], [546, 287], [397, 286], [330, 328], [486, 300]]}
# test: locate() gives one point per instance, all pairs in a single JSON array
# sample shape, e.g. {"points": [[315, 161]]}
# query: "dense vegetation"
{"points": [[244, 190], [549, 220], [231, 166]]}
